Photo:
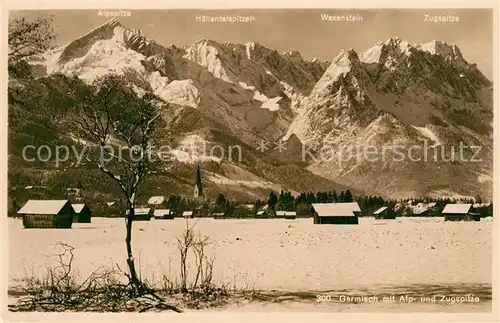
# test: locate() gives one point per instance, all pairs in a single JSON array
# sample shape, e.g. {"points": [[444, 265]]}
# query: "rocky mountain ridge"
{"points": [[393, 94]]}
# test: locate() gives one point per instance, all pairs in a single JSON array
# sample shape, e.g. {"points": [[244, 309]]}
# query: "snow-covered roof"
{"points": [[281, 213], [289, 213], [260, 212], [382, 209], [334, 209], [43, 207], [161, 212], [78, 207], [457, 208], [156, 200], [353, 205], [140, 211], [422, 207]]}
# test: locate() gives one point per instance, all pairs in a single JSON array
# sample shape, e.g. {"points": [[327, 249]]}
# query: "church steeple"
{"points": [[198, 188]]}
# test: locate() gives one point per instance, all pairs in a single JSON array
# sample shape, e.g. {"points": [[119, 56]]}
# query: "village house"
{"points": [[398, 206], [481, 205], [460, 212], [424, 209], [188, 214], [75, 193], [202, 211], [334, 213], [82, 213], [384, 212], [218, 215], [141, 214], [163, 214], [290, 215], [156, 200], [47, 214], [243, 211], [249, 209], [484, 209]]}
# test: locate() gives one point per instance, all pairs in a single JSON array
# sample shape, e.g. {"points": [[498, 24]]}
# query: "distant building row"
{"points": [[347, 213], [145, 214], [62, 214]]}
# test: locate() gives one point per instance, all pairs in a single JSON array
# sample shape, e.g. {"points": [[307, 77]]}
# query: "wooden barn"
{"points": [[218, 215], [82, 213], [290, 215], [47, 214], [280, 214], [163, 214], [460, 212], [384, 213], [424, 209], [141, 214], [334, 213]]}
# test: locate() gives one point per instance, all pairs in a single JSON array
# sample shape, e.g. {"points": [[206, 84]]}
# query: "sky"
{"points": [[297, 29]]}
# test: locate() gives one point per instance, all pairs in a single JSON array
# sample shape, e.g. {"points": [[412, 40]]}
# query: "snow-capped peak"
{"points": [[345, 56], [110, 24], [342, 64], [111, 49], [205, 53], [372, 55], [394, 45], [443, 49]]}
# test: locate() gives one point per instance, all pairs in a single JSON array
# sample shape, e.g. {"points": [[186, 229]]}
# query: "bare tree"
{"points": [[124, 127], [29, 38]]}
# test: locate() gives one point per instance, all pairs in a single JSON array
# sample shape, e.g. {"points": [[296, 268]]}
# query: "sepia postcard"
{"points": [[250, 162]]}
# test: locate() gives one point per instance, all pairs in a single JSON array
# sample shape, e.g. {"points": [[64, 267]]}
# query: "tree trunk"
{"points": [[136, 283]]}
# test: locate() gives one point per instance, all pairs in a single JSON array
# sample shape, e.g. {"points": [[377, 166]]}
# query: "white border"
{"points": [[243, 316]]}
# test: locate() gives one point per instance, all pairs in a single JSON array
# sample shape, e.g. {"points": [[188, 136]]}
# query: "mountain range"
{"points": [[311, 115]]}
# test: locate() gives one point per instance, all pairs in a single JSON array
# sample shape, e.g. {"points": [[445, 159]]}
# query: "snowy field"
{"points": [[410, 255]]}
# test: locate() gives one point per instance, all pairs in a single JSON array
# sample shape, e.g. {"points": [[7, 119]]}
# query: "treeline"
{"points": [[302, 204], [285, 201], [276, 201]]}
